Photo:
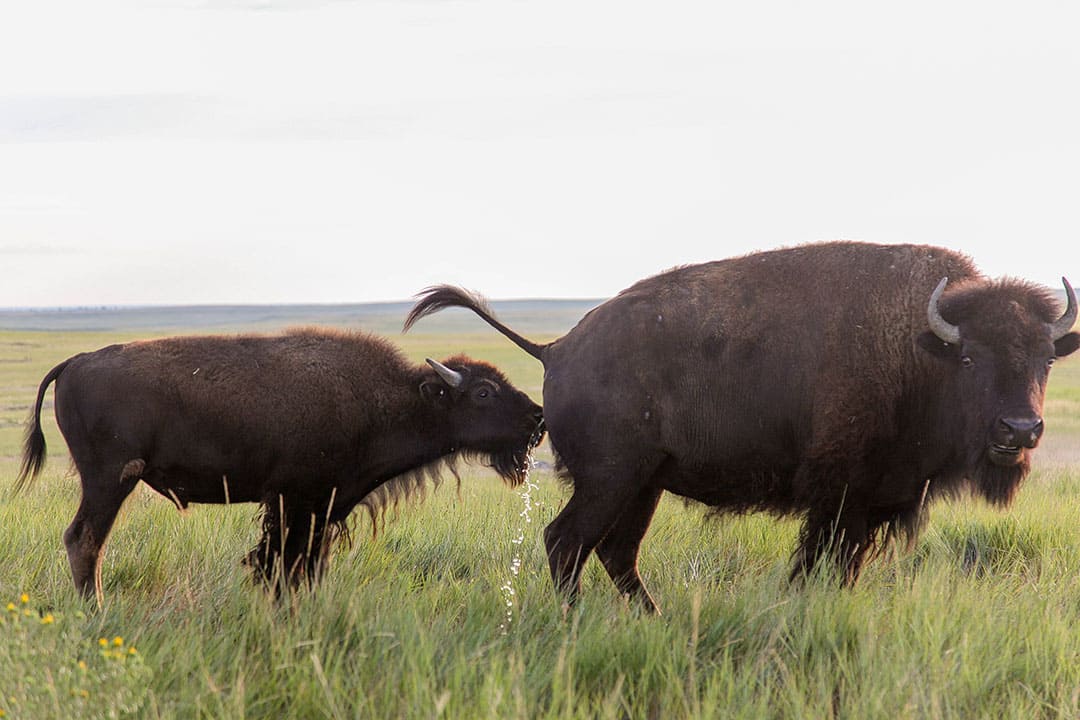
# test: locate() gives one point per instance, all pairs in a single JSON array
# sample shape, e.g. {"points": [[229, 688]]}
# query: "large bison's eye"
{"points": [[966, 361], [1050, 362]]}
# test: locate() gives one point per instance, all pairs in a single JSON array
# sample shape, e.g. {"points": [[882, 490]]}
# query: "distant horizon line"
{"points": [[179, 306]]}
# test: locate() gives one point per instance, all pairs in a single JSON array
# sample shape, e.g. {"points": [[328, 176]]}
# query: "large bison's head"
{"points": [[485, 415], [1000, 339]]}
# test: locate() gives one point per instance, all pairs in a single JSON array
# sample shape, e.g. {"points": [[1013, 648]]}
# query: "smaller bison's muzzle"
{"points": [[538, 432]]}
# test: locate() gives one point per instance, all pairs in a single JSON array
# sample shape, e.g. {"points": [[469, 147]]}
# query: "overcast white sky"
{"points": [[272, 152]]}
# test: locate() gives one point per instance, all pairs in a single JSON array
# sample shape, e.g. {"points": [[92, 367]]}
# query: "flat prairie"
{"points": [[449, 611]]}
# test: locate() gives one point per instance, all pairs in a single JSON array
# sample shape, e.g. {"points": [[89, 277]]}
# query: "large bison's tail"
{"points": [[440, 297], [34, 445]]}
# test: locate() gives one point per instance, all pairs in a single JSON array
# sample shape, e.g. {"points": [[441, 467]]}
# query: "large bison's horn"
{"points": [[451, 377], [946, 331], [1064, 324]]}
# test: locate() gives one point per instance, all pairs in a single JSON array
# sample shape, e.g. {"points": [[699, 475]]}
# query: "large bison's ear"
{"points": [[937, 347], [1067, 344]]}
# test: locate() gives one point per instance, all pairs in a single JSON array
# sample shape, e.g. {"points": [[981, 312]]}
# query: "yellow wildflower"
{"points": [[132, 650], [118, 641], [82, 664], [47, 619], [11, 607], [24, 598], [103, 642]]}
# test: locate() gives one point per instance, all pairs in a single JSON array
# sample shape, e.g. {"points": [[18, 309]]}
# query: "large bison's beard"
{"points": [[997, 483]]}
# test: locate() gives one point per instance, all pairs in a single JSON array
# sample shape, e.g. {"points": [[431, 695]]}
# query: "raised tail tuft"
{"points": [[440, 297]]}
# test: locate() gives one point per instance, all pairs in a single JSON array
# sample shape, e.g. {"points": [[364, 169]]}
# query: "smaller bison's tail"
{"points": [[34, 445], [440, 297]]}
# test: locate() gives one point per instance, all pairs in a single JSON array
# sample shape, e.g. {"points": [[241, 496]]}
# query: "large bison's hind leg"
{"points": [[618, 551], [104, 490], [603, 493]]}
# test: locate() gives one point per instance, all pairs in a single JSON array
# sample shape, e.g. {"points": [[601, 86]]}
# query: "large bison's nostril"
{"points": [[1023, 431]]}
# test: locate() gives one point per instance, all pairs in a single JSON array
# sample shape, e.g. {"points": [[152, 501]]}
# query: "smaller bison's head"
{"points": [[1000, 339], [485, 415]]}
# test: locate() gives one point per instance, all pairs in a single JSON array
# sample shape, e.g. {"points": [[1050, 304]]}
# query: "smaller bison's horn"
{"points": [[946, 331], [1064, 324], [451, 377]]}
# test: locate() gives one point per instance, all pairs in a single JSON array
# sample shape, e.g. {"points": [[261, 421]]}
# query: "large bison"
{"points": [[308, 423], [843, 382]]}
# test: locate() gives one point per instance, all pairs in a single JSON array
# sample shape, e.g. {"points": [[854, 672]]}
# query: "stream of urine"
{"points": [[509, 595]]}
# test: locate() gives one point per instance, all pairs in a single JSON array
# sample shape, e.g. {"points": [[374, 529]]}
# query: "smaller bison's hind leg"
{"points": [[103, 493]]}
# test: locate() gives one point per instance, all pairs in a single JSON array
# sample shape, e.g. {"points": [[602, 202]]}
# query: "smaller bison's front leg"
{"points": [[293, 546]]}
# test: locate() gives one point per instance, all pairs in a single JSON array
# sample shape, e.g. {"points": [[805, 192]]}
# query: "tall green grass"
{"points": [[981, 620]]}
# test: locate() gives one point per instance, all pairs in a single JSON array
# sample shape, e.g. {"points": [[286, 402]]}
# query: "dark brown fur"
{"points": [[801, 381], [309, 423]]}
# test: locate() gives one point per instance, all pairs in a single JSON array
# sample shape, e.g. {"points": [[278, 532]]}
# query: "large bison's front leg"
{"points": [[842, 534]]}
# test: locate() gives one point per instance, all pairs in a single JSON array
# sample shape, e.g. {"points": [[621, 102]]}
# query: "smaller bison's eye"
{"points": [[966, 361], [1050, 362], [484, 393]]}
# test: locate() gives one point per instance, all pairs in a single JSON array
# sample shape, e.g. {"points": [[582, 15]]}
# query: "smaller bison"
{"points": [[309, 423]]}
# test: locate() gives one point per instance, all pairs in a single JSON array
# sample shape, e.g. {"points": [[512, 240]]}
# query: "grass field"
{"points": [[981, 620]]}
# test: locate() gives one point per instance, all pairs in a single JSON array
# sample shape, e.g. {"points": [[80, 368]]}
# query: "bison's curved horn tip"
{"points": [[1064, 324], [451, 377], [945, 330]]}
